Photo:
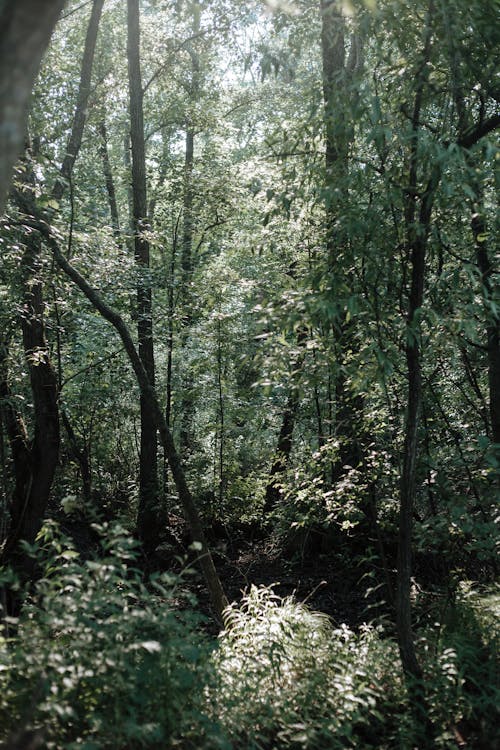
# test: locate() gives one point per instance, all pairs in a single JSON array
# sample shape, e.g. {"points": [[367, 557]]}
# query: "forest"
{"points": [[249, 374]]}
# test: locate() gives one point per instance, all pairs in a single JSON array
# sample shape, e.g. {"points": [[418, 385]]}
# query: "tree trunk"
{"points": [[34, 461], [187, 260], [417, 230], [81, 454], [110, 183], [38, 460], [79, 119], [417, 216], [26, 27], [214, 586], [338, 71], [147, 519], [285, 437], [283, 451]]}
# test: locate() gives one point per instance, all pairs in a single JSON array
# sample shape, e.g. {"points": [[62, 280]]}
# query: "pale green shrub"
{"points": [[287, 678]]}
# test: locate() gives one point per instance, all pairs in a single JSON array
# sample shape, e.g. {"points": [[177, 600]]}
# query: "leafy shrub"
{"points": [[286, 678], [472, 633], [100, 660]]}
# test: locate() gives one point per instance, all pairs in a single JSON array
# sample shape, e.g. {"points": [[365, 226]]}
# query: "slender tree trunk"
{"points": [[80, 117], [147, 519], [187, 268], [283, 451], [220, 393], [20, 450], [187, 260], [214, 586], [81, 454], [170, 327], [285, 438], [38, 458], [110, 183], [35, 460], [487, 270], [26, 27], [338, 72], [416, 238]]}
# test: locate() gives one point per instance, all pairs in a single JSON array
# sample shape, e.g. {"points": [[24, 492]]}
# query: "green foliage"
{"points": [[287, 678], [99, 659], [472, 634]]}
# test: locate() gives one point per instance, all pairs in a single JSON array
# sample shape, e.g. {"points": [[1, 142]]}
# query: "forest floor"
{"points": [[321, 579], [315, 580]]}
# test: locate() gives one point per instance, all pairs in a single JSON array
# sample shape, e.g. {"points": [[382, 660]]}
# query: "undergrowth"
{"points": [[101, 660]]}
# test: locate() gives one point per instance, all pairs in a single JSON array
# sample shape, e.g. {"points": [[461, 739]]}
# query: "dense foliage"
{"points": [[98, 660], [249, 319]]}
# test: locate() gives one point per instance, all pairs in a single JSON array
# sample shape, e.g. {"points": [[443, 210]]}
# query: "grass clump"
{"points": [[287, 678]]}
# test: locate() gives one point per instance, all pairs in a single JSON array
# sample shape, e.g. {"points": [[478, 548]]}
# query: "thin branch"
{"points": [[473, 135], [91, 366], [75, 10]]}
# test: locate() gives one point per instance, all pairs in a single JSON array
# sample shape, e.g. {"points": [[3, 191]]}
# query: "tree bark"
{"points": [[285, 438], [110, 183], [214, 586], [37, 466], [80, 116], [338, 72], [417, 225], [187, 260], [26, 27], [35, 460], [283, 451], [147, 518]]}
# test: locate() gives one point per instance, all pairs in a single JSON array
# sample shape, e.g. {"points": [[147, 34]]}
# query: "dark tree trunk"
{"points": [[285, 438], [75, 139], [214, 586], [110, 183], [25, 30], [417, 230], [36, 476], [492, 323], [187, 405], [333, 60], [147, 519], [417, 216], [35, 460], [81, 454], [283, 451], [187, 268], [19, 444], [338, 72]]}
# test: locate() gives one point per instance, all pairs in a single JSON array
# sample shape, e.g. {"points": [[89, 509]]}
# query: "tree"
{"points": [[36, 461], [26, 27], [147, 520]]}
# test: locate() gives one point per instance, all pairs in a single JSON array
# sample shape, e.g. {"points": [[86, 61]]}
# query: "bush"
{"points": [[472, 634], [100, 660], [286, 678]]}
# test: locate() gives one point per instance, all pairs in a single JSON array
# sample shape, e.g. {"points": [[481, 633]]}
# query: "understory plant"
{"points": [[102, 659], [285, 677], [98, 659]]}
